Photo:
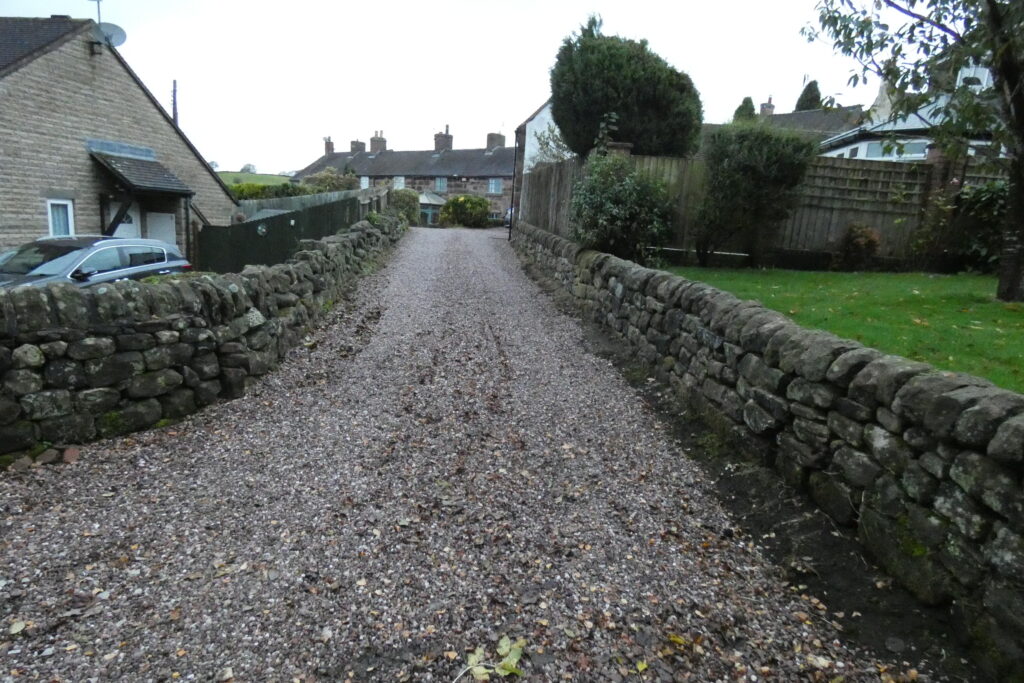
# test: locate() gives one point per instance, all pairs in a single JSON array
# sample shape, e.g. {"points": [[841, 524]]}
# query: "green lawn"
{"points": [[232, 177], [951, 321]]}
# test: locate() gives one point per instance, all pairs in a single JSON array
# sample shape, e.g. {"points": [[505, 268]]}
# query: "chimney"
{"points": [[442, 141], [328, 146], [358, 146], [495, 140], [767, 108], [377, 142]]}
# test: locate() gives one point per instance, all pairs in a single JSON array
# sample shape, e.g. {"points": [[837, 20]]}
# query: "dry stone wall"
{"points": [[77, 364], [926, 465]]}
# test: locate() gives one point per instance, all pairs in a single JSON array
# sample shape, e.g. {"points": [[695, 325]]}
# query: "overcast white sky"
{"points": [[263, 82]]}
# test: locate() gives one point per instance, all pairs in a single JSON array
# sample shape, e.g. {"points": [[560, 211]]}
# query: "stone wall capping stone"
{"points": [[879, 380]]}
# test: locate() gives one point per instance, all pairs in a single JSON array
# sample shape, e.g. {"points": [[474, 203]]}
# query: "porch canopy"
{"points": [[137, 174]]}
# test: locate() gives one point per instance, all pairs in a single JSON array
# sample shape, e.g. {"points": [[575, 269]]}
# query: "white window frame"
{"points": [[364, 182], [70, 203], [399, 182], [440, 184], [495, 182]]}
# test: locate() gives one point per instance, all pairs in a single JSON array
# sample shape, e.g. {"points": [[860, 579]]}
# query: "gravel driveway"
{"points": [[445, 466]]}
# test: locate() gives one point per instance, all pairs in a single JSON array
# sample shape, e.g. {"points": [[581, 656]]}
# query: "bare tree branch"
{"points": [[922, 18]]}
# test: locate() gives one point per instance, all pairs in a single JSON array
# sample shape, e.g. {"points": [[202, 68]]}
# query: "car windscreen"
{"points": [[41, 258]]}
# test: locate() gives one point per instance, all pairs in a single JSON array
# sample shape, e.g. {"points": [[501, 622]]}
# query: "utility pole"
{"points": [[174, 101]]}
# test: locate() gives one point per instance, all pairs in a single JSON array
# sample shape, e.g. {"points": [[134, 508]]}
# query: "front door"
{"points": [[160, 226]]}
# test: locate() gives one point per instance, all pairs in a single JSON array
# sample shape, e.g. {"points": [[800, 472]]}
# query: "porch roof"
{"points": [[143, 175]]}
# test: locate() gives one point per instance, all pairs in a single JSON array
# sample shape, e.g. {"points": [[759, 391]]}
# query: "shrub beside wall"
{"points": [[926, 465], [77, 364], [466, 210]]}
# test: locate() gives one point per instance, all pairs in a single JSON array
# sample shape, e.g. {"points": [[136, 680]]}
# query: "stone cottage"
{"points": [[436, 174], [85, 148]]}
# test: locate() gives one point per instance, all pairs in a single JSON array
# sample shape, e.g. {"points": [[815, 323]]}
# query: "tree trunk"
{"points": [[1011, 260], [1008, 77]]}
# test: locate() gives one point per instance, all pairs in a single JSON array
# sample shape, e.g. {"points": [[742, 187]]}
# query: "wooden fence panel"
{"points": [[837, 193], [889, 196]]}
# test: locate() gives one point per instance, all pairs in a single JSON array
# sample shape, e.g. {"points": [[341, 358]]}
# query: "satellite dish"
{"points": [[111, 34]]}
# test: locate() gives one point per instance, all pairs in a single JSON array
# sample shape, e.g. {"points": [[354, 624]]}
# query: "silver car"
{"points": [[89, 260]]}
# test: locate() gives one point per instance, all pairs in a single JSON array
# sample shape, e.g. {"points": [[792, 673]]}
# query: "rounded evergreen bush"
{"points": [[659, 110]]}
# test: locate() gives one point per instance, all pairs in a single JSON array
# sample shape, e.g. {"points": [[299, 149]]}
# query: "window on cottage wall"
{"points": [[875, 150], [364, 182], [61, 214], [440, 184], [494, 186], [399, 183], [854, 151], [915, 149]]}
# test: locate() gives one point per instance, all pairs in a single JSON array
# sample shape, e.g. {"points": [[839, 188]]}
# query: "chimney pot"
{"points": [[378, 143], [443, 141], [495, 140]]}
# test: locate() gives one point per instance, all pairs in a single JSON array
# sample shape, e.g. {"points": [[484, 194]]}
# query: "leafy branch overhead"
{"points": [[959, 65], [551, 147]]}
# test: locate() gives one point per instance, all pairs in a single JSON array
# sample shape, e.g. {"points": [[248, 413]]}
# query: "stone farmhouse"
{"points": [[436, 174], [85, 148]]}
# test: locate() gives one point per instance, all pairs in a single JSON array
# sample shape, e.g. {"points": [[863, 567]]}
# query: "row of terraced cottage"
{"points": [[86, 149]]}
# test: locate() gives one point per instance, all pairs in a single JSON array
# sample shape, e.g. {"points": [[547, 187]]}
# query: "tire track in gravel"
{"points": [[443, 466]]}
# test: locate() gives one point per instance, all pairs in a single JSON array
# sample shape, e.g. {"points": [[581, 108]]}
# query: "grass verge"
{"points": [[233, 177], [953, 322]]}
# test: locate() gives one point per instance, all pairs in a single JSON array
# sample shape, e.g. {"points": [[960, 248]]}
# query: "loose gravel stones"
{"points": [[438, 468]]}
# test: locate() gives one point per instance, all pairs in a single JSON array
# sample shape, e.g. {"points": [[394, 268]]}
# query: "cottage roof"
{"points": [[915, 124], [820, 123], [491, 163], [22, 39]]}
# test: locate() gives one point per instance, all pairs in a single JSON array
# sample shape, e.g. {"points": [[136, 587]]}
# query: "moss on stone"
{"points": [[909, 545], [38, 449], [112, 423]]}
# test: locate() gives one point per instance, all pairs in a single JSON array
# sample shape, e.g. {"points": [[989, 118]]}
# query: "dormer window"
{"points": [[975, 77]]}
